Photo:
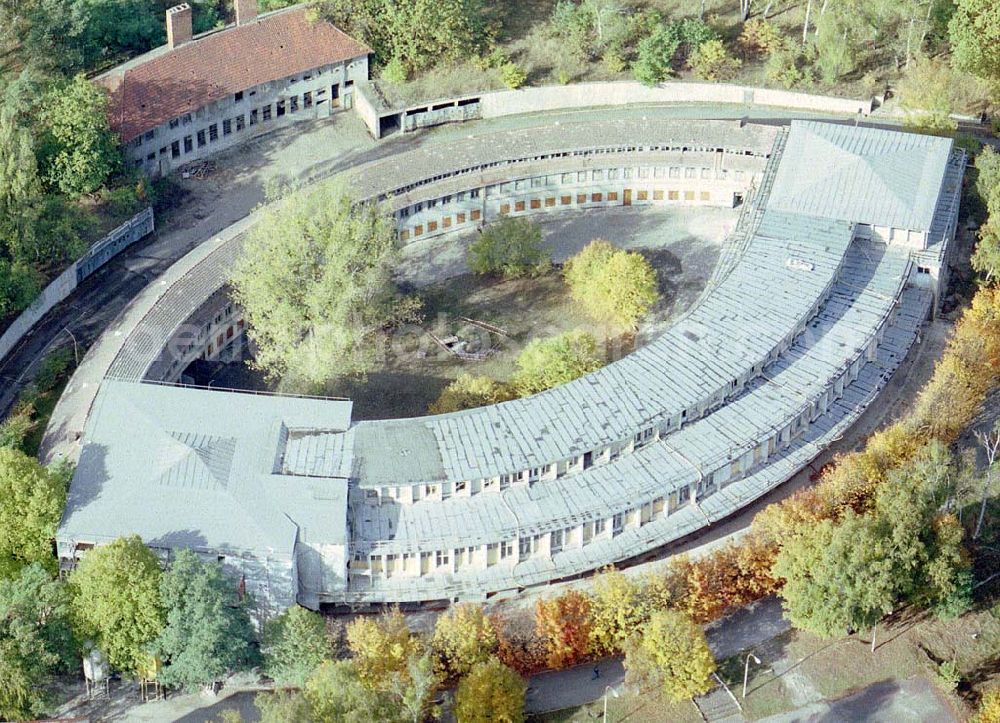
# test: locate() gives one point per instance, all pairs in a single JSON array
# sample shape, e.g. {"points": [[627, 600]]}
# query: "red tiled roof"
{"points": [[186, 78]]}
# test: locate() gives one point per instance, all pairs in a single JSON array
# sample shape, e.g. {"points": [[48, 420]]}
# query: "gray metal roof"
{"points": [[870, 283], [184, 467], [789, 265], [861, 175]]}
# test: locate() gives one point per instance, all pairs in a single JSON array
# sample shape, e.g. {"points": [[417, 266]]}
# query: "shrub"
{"points": [[711, 61], [513, 75], [15, 428], [509, 247], [469, 392], [760, 37], [655, 56], [783, 68], [614, 286], [989, 708], [947, 676], [547, 363], [394, 72], [613, 61]]}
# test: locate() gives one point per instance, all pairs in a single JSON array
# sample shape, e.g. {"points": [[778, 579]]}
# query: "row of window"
{"points": [[239, 122], [551, 156], [558, 540], [535, 204]]}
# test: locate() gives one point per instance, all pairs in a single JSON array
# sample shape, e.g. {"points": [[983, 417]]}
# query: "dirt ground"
{"points": [[682, 245]]}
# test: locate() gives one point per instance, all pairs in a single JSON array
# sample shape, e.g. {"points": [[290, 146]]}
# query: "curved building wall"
{"points": [[801, 326]]}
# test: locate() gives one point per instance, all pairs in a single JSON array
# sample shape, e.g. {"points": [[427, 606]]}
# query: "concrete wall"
{"points": [[137, 227], [589, 95]]}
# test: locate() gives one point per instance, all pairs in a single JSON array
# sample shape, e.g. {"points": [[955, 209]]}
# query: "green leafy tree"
{"points": [[31, 504], [986, 258], [208, 632], [926, 96], [836, 576], [335, 692], [15, 428], [670, 654], [295, 643], [463, 637], [36, 641], [711, 61], [416, 33], [414, 691], [974, 31], [19, 285], [617, 609], [80, 150], [510, 247], [614, 286], [282, 706], [655, 56], [116, 601], [40, 33], [316, 284], [490, 693], [469, 392], [988, 179], [547, 363]]}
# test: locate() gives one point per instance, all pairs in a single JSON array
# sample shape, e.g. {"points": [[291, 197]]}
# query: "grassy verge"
{"points": [[797, 668], [35, 405], [631, 707]]}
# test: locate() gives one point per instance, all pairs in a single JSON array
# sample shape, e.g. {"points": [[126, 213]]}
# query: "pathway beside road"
{"points": [[747, 627]]}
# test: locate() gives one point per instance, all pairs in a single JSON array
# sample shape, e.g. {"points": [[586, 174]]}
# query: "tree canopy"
{"points": [[116, 601], [510, 247], [490, 693], [79, 148], [31, 505], [547, 363], [849, 573], [615, 287], [36, 641], [295, 644], [381, 647], [335, 692], [416, 33], [469, 392], [207, 632], [670, 653], [315, 281], [463, 637], [974, 31]]}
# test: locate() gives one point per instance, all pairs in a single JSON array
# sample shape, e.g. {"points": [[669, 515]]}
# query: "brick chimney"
{"points": [[179, 26], [246, 11]]}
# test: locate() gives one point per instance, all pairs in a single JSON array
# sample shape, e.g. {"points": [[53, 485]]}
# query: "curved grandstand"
{"points": [[834, 264]]}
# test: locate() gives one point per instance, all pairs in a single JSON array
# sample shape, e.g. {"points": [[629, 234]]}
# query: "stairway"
{"points": [[718, 706]]}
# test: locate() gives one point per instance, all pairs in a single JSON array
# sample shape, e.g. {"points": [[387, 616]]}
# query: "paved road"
{"points": [[577, 686]]}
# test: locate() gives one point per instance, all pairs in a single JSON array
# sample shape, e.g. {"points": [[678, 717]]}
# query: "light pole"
{"points": [[604, 718], [76, 352], [746, 672]]}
